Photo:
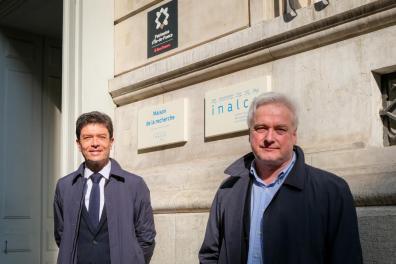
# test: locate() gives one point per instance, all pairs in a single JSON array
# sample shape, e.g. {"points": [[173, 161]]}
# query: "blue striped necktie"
{"points": [[94, 199]]}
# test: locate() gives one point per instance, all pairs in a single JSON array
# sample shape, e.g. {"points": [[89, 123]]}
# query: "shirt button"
{"points": [[94, 242]]}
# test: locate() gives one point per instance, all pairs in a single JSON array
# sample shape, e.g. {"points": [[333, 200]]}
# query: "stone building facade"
{"points": [[335, 58]]}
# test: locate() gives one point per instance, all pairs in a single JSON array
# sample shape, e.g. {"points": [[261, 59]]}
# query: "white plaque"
{"points": [[162, 124], [226, 108]]}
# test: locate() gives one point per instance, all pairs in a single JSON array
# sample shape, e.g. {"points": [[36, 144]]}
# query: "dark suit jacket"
{"points": [[129, 216], [311, 219]]}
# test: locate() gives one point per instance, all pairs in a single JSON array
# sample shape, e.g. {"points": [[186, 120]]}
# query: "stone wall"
{"points": [[329, 60]]}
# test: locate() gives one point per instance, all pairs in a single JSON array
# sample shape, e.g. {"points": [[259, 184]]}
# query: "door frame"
{"points": [[71, 82]]}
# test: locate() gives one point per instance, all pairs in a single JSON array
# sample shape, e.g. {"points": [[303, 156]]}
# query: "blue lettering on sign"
{"points": [[233, 105], [246, 103], [160, 120], [159, 112]]}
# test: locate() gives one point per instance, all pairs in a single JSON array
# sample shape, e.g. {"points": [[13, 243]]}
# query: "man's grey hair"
{"points": [[272, 98]]}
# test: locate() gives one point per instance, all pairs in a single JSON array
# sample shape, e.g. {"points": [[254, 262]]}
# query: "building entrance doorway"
{"points": [[30, 113]]}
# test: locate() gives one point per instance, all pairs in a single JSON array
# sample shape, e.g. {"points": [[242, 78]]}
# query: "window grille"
{"points": [[388, 113]]}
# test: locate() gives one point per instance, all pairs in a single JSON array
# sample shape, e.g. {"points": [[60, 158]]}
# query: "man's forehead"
{"points": [[94, 126], [274, 112], [274, 105], [274, 109]]}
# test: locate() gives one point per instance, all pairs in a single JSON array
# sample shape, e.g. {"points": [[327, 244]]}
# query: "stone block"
{"points": [[179, 237], [190, 231], [123, 8], [377, 227], [164, 252]]}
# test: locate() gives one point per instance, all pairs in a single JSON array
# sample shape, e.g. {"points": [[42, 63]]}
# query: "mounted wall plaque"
{"points": [[163, 124], [162, 29], [226, 108]]}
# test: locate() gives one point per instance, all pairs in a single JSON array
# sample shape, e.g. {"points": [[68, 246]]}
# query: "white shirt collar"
{"points": [[105, 172]]}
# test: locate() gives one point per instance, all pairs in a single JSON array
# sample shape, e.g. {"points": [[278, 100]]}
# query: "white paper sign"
{"points": [[226, 108], [162, 124]]}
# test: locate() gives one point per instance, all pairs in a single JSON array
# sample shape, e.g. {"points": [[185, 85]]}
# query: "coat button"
{"points": [[94, 242]]}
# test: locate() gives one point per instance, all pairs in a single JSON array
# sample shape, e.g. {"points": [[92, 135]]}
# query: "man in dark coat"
{"points": [[102, 213], [274, 208]]}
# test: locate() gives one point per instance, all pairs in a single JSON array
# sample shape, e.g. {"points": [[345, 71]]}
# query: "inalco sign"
{"points": [[162, 29], [226, 108]]}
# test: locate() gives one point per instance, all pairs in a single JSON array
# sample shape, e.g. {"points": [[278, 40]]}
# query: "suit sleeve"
{"points": [[58, 216], [343, 240], [144, 223], [210, 249]]}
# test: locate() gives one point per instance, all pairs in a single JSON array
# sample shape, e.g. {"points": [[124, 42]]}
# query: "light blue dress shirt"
{"points": [[261, 196]]}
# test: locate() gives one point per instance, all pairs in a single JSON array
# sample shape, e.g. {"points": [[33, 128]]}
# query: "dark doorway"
{"points": [[30, 113]]}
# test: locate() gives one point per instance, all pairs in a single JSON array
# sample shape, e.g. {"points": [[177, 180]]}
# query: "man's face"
{"points": [[272, 135], [95, 144]]}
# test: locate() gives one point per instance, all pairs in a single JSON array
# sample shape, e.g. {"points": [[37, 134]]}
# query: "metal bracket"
{"points": [[291, 13], [289, 10]]}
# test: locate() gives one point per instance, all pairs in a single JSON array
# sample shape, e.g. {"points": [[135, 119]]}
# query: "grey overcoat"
{"points": [[129, 216]]}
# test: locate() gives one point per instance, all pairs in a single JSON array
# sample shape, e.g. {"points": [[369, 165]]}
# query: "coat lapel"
{"points": [[76, 201], [76, 196], [112, 194], [235, 227]]}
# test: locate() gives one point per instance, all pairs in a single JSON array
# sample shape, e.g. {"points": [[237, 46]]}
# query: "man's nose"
{"points": [[95, 142], [269, 136]]}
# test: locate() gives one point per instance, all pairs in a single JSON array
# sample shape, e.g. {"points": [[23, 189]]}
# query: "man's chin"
{"points": [[96, 164], [270, 161]]}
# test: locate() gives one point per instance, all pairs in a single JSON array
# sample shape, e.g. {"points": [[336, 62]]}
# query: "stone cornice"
{"points": [[261, 43]]}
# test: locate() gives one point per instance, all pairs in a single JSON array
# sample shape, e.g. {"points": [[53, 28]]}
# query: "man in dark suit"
{"points": [[102, 214], [274, 208]]}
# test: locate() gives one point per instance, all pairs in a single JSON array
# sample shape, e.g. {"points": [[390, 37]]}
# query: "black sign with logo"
{"points": [[162, 29]]}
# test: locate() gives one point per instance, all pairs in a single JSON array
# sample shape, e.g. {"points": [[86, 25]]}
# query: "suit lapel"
{"points": [[112, 194], [85, 217], [103, 218]]}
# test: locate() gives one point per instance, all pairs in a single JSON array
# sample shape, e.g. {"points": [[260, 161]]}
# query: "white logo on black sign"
{"points": [[163, 13]]}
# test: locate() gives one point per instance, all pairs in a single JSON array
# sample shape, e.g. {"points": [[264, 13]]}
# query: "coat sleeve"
{"points": [[343, 241], [144, 222], [210, 249], [58, 215]]}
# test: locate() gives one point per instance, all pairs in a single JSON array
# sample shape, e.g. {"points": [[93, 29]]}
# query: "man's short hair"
{"points": [[94, 117], [272, 98]]}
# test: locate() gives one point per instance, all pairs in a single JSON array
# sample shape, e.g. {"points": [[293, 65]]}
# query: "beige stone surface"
{"points": [[123, 8], [232, 52], [199, 21], [177, 175], [310, 78], [186, 176], [190, 231], [179, 237], [164, 252]]}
